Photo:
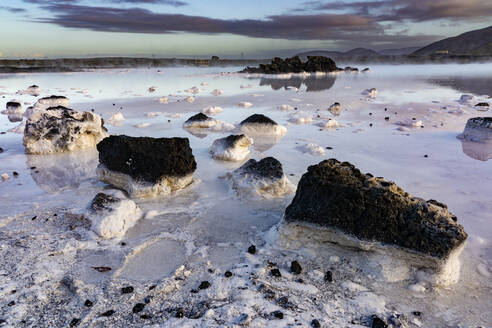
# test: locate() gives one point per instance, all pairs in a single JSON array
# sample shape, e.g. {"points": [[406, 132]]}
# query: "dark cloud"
{"points": [[174, 3], [333, 27], [12, 9], [413, 10]]}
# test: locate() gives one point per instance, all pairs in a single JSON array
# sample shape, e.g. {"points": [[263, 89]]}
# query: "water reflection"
{"points": [[63, 172], [477, 150], [481, 85], [312, 83]]}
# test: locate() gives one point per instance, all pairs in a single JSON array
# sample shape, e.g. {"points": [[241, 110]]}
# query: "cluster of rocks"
{"points": [[295, 65]]}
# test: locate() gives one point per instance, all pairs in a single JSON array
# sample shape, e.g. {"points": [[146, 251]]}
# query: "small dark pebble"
{"points": [[291, 174], [385, 109], [277, 314], [33, 167], [252, 249], [88, 303], [275, 272], [179, 313], [15, 174], [152, 287], [13, 291], [147, 299], [204, 285], [107, 313], [92, 110], [417, 313], [370, 124], [138, 307], [114, 104], [194, 291], [387, 118], [34, 217], [102, 269], [295, 267], [127, 290], [315, 323], [210, 270], [228, 274], [378, 322], [146, 316], [426, 156], [300, 280], [74, 322], [123, 243], [329, 147], [1, 150], [11, 303], [329, 276]]}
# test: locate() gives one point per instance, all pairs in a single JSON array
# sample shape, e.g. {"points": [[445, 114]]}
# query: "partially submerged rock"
{"points": [[13, 107], [34, 90], [59, 129], [231, 148], [265, 178], [111, 214], [261, 124], [344, 206], [295, 65], [146, 166], [478, 129], [335, 109], [202, 121]]}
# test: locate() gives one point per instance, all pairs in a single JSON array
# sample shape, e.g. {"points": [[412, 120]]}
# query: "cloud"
{"points": [[12, 9], [412, 10], [174, 3], [334, 27]]}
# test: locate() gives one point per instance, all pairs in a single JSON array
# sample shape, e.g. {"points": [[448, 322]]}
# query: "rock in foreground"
{"points": [[111, 214], [146, 166], [59, 129], [478, 129], [295, 65], [231, 148], [346, 203], [265, 178]]}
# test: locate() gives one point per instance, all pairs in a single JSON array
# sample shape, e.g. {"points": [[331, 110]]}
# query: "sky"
{"points": [[227, 28]]}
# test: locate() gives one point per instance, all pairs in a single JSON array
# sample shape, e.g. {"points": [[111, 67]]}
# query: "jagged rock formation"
{"points": [[146, 166], [59, 129], [295, 65]]}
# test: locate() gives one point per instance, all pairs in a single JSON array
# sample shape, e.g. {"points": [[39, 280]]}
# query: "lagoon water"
{"points": [[207, 225]]}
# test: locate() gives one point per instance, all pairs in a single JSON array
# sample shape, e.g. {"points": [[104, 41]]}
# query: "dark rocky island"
{"points": [[295, 65]]}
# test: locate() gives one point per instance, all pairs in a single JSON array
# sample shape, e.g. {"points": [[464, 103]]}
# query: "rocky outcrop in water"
{"points": [[59, 129], [146, 166], [261, 124], [295, 65], [478, 129], [337, 195], [231, 148], [12, 107], [111, 214], [265, 178]]}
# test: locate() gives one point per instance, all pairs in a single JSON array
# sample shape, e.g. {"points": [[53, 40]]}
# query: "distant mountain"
{"points": [[353, 53], [473, 43], [361, 52], [398, 51]]}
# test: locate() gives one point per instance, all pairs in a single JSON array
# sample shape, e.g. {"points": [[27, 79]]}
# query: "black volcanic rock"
{"points": [[268, 168], [338, 196], [482, 104], [294, 65], [200, 117], [258, 119], [147, 159]]}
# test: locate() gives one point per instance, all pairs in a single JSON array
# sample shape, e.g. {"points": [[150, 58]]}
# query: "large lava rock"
{"points": [[146, 166], [59, 129], [478, 129], [265, 178], [339, 197], [295, 65]]}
